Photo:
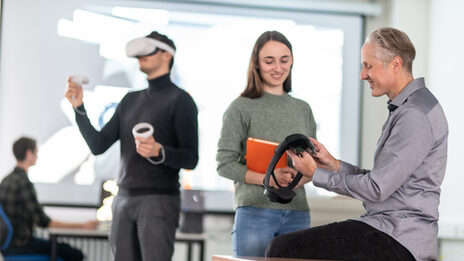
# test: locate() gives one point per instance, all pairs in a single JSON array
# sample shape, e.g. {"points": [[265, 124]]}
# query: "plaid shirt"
{"points": [[19, 200]]}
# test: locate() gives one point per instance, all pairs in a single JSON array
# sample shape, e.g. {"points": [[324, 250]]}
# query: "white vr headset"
{"points": [[145, 46]]}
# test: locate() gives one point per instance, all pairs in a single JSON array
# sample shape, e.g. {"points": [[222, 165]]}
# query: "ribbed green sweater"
{"points": [[270, 117]]}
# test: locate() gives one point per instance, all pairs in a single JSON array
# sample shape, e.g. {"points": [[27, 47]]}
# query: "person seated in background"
{"points": [[19, 200]]}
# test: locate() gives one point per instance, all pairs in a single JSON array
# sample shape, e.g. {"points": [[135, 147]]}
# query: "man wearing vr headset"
{"points": [[146, 209], [402, 191]]}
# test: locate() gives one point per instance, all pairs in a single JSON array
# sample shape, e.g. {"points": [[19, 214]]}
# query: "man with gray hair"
{"points": [[402, 191]]}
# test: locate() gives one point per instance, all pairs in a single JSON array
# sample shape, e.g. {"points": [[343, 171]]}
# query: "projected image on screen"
{"points": [[211, 64], [74, 156]]}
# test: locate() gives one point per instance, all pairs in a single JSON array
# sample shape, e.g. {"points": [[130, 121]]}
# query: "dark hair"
{"points": [[21, 146], [163, 38], [393, 42], [254, 88]]}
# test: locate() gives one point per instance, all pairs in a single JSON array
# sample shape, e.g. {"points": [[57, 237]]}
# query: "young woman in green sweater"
{"points": [[265, 111]]}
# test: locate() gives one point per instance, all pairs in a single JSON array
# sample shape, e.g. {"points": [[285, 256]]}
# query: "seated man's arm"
{"points": [[92, 224], [409, 143]]}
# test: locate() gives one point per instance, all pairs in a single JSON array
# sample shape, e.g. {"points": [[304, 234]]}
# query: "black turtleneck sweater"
{"points": [[173, 114]]}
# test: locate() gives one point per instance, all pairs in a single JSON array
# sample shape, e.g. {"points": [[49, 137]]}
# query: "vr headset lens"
{"points": [[300, 146]]}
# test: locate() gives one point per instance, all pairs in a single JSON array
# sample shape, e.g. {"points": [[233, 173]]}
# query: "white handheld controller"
{"points": [[80, 79], [143, 129]]}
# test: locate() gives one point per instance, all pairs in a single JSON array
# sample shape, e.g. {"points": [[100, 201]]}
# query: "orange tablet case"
{"points": [[259, 154]]}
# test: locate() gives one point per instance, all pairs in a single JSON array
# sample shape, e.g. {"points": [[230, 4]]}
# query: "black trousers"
{"points": [[347, 240], [37, 246], [144, 227]]}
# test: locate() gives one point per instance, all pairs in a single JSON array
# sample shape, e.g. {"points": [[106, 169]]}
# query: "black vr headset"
{"points": [[298, 143]]}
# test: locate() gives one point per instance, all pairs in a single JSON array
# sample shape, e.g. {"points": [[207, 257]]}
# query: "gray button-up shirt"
{"points": [[402, 191]]}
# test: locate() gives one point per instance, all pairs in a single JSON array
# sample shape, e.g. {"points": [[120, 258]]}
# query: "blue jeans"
{"points": [[254, 228]]}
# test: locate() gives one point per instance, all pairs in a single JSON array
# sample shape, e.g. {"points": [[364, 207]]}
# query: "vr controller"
{"points": [[143, 129], [80, 79], [298, 143]]}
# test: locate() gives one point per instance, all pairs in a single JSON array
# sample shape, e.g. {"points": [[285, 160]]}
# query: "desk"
{"points": [[56, 233], [190, 239], [244, 258]]}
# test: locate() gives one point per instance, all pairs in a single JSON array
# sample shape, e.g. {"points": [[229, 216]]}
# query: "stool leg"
{"points": [[202, 250], [189, 251]]}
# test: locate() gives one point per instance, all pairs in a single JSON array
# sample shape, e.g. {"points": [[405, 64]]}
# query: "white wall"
{"points": [[446, 58], [446, 64]]}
